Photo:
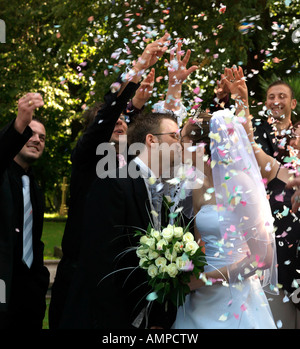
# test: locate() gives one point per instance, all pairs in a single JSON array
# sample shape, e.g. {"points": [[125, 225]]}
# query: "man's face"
{"points": [[34, 147], [279, 102], [119, 130], [168, 139]]}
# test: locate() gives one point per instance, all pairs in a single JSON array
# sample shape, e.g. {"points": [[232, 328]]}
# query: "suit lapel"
{"points": [[142, 200]]}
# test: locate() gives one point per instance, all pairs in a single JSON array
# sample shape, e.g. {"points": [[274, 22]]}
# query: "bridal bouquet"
{"points": [[170, 257]]}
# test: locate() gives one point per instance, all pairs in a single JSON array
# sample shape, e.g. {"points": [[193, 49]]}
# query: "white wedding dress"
{"points": [[218, 306]]}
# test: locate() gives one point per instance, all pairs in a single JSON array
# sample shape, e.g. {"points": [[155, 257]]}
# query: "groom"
{"points": [[109, 289]]}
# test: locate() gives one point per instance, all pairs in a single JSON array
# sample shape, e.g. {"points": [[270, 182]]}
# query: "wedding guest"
{"points": [[108, 289], [273, 134], [21, 214], [107, 126], [276, 177]]}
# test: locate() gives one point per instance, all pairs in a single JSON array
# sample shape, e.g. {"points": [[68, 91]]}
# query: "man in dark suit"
{"points": [[26, 278], [108, 125], [274, 133], [109, 289]]}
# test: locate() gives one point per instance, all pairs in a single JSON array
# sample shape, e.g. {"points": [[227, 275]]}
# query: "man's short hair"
{"points": [[144, 124], [281, 82], [39, 120]]}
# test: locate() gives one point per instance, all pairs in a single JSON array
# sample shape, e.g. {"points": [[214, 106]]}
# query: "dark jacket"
{"points": [[84, 164], [109, 289], [12, 270]]}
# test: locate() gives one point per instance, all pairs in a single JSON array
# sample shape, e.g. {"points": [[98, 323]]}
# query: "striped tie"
{"points": [[27, 227]]}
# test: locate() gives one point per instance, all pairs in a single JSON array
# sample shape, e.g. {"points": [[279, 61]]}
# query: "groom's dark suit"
{"points": [[108, 292]]}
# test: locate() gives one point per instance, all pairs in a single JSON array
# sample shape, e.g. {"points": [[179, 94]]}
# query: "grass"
{"points": [[52, 236], [46, 321]]}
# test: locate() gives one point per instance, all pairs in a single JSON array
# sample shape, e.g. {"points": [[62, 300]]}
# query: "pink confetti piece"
{"points": [[198, 100], [243, 307], [221, 152], [189, 266], [279, 197], [222, 9], [236, 316], [196, 90]]}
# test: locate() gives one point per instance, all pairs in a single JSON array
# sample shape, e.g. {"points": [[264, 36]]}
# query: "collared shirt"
{"points": [[150, 179]]}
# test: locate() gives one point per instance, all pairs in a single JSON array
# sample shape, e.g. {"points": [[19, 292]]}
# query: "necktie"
{"points": [[27, 226], [157, 192]]}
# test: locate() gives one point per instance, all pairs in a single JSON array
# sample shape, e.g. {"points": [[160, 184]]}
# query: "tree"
{"points": [[71, 52]]}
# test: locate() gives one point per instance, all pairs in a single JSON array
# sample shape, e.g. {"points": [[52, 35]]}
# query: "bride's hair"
{"points": [[197, 129]]}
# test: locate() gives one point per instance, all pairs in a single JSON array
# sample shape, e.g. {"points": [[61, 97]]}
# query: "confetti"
{"points": [[152, 296], [243, 307], [223, 317]]}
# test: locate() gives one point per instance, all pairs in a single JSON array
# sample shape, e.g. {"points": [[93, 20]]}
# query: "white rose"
{"points": [[161, 243], [142, 251], [168, 233], [180, 263], [148, 241], [171, 256], [178, 246], [163, 269], [142, 261], [191, 246], [144, 239], [155, 234], [152, 270], [151, 243], [161, 262], [178, 232], [152, 254], [172, 270], [187, 237]]}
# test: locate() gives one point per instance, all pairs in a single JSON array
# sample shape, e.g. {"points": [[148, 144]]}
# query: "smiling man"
{"points": [[26, 278], [34, 148], [273, 133]]}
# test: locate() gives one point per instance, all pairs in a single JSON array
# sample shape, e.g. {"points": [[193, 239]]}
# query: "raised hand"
{"points": [[222, 89], [152, 53], [235, 82], [178, 73], [177, 67], [26, 106], [145, 90]]}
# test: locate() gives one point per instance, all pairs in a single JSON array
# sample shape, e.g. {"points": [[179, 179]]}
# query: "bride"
{"points": [[234, 220]]}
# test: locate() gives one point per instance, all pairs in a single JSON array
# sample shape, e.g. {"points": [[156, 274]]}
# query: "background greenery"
{"points": [[71, 51], [52, 236]]}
